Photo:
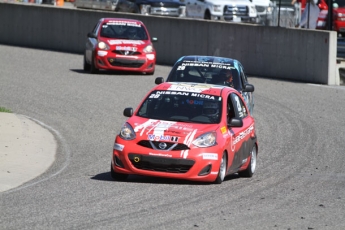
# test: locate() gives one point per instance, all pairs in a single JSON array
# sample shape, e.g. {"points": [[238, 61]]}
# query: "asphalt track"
{"points": [[299, 182]]}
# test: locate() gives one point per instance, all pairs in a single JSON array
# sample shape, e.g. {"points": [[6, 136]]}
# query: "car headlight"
{"points": [[103, 46], [149, 49], [206, 140], [217, 8], [252, 10], [269, 10], [127, 132]]}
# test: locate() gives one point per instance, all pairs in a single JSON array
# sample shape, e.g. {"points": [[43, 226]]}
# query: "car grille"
{"points": [[238, 11], [125, 62], [125, 52], [160, 164], [170, 146], [170, 4], [260, 9]]}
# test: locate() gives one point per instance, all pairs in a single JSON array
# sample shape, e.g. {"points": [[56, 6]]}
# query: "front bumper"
{"points": [[196, 164], [110, 61]]}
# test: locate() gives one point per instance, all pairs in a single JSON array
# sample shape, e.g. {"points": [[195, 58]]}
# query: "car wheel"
{"points": [[222, 170], [87, 66], [117, 176], [93, 68], [207, 15], [252, 164]]}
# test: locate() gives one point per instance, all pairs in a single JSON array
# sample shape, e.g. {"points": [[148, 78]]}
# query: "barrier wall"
{"points": [[273, 52]]}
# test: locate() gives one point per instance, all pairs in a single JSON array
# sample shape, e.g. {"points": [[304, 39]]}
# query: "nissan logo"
{"points": [[162, 145]]}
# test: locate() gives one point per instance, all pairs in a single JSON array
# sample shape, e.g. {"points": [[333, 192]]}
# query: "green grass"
{"points": [[2, 109]]}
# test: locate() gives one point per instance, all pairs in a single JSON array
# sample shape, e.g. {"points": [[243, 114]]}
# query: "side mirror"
{"points": [[236, 122], [159, 80], [128, 112], [154, 39], [91, 35], [248, 88]]}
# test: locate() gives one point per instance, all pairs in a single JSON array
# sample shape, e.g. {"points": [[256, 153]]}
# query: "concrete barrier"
{"points": [[274, 52]]}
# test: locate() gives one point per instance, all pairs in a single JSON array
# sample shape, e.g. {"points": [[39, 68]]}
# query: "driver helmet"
{"points": [[226, 76], [210, 109]]}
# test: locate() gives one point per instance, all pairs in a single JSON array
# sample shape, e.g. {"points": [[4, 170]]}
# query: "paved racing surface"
{"points": [[299, 182]]}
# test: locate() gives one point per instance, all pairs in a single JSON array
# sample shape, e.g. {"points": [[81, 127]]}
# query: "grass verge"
{"points": [[2, 109]]}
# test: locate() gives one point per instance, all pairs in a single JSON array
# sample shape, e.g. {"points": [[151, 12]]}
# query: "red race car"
{"points": [[120, 44], [192, 131]]}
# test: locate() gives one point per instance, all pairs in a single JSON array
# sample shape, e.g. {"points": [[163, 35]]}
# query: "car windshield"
{"points": [[211, 73], [123, 30], [340, 3], [182, 106]]}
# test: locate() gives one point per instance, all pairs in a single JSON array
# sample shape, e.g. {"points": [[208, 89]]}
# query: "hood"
{"points": [[171, 131], [227, 2], [163, 3], [339, 10], [261, 2], [132, 45]]}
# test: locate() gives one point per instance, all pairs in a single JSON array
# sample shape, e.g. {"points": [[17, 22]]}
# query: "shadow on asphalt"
{"points": [[156, 180]]}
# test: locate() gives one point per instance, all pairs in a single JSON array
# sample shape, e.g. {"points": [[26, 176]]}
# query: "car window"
{"points": [[95, 29], [239, 107], [182, 106], [243, 75], [230, 110], [123, 31]]}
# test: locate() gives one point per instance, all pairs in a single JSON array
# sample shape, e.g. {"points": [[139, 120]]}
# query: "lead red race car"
{"points": [[120, 44], [189, 131]]}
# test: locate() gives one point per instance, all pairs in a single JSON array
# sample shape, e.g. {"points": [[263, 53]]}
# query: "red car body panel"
{"points": [[122, 54], [231, 140]]}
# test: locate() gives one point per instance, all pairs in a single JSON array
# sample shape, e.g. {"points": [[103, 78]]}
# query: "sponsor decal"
{"points": [[210, 156], [188, 141], [123, 23], [158, 127], [221, 66], [223, 130], [243, 134], [120, 42], [118, 147], [126, 48], [153, 137], [160, 154], [194, 102]]}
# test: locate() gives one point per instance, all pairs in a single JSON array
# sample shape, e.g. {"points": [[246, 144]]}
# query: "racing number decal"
{"points": [[181, 67]]}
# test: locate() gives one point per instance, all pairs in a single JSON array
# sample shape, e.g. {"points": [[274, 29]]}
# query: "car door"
{"points": [[240, 136], [200, 6], [190, 8]]}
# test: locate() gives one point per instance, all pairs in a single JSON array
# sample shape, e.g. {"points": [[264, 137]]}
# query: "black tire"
{"points": [[252, 164], [117, 176], [207, 15], [87, 66], [222, 170], [93, 68]]}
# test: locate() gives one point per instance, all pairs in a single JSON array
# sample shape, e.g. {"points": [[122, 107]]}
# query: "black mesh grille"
{"points": [[155, 145], [236, 11], [125, 62], [127, 53], [160, 164]]}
